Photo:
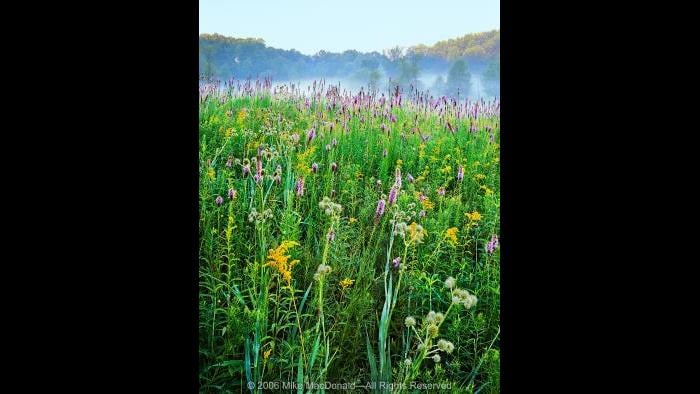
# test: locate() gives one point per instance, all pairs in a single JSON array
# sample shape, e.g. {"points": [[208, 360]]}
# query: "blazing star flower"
{"points": [[300, 187], [219, 200], [257, 178], [334, 167], [310, 135], [460, 173], [231, 194], [492, 244], [381, 204], [314, 168], [396, 262], [392, 195], [246, 169]]}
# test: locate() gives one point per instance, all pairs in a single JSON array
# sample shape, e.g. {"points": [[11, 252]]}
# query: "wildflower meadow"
{"points": [[347, 240]]}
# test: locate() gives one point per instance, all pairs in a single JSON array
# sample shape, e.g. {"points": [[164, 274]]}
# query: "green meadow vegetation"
{"points": [[347, 239]]}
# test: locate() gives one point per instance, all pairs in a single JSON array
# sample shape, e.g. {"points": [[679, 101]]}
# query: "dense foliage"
{"points": [[347, 239]]}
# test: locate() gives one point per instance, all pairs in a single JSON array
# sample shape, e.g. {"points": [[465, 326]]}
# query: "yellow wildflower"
{"points": [[451, 235], [266, 355], [229, 132], [240, 117], [427, 204], [480, 177], [345, 283], [399, 162], [278, 259], [486, 190], [474, 216], [352, 220], [211, 173], [416, 232]]}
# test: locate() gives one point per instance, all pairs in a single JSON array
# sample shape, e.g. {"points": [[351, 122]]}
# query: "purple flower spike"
{"points": [[410, 178], [392, 195], [492, 244], [331, 235], [219, 200], [334, 167], [381, 204], [231, 194], [460, 173], [396, 262], [246, 170], [310, 135], [314, 168], [300, 187]]}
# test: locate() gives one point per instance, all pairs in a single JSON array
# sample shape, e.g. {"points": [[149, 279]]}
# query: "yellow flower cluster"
{"points": [[416, 232], [474, 216], [211, 173], [303, 161], [240, 117], [345, 283], [486, 190], [352, 220], [279, 259], [451, 235], [427, 204]]}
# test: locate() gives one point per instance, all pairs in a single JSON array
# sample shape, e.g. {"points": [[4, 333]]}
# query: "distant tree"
{"points": [[394, 54], [459, 79], [492, 78], [439, 85]]}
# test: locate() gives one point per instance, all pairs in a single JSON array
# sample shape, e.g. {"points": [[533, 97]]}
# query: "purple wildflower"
{"points": [[219, 200], [492, 244], [310, 135], [314, 168], [396, 262], [300, 187], [393, 118], [460, 173], [410, 178], [334, 167], [231, 193], [380, 209], [331, 235], [441, 191], [392, 195], [295, 137], [257, 178], [246, 169], [335, 141]]}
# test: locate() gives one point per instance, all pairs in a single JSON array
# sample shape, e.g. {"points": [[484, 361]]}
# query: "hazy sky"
{"points": [[365, 25]]}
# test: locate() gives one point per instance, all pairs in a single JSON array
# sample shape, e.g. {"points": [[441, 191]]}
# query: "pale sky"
{"points": [[364, 25]]}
